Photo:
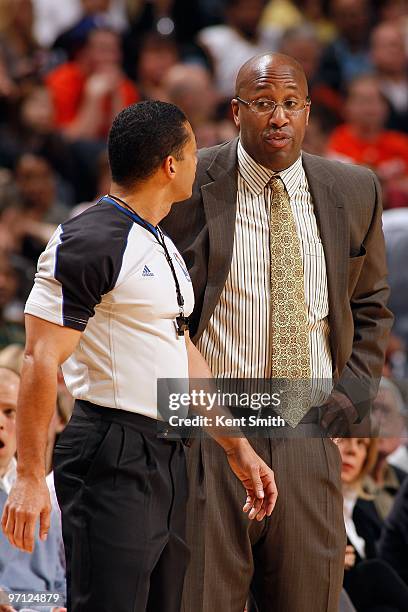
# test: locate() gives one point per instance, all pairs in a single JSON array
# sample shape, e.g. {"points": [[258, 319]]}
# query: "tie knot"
{"points": [[276, 183]]}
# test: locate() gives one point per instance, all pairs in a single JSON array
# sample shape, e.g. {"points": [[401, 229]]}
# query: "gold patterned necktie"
{"points": [[289, 323]]}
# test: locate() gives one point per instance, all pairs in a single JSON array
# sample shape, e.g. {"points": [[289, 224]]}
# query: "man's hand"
{"points": [[29, 499], [6, 607], [350, 557], [339, 416], [257, 478], [104, 82]]}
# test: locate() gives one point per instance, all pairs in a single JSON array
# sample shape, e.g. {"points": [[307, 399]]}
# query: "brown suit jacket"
{"points": [[347, 204]]}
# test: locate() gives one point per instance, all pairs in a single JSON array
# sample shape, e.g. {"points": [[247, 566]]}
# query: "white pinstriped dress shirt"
{"points": [[237, 340]]}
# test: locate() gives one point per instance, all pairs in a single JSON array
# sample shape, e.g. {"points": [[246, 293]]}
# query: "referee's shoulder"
{"points": [[97, 228]]}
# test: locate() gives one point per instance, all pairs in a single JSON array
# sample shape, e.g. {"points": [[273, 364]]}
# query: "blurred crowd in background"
{"points": [[67, 68]]}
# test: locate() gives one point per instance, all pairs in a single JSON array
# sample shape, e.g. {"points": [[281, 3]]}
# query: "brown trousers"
{"points": [[292, 561]]}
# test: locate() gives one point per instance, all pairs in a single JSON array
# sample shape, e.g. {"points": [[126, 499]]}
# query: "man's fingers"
{"points": [[328, 418], [271, 494], [44, 523], [10, 524], [28, 499], [4, 517], [24, 518], [248, 503], [257, 483], [260, 507], [19, 531], [261, 514], [256, 506], [29, 535], [338, 427]]}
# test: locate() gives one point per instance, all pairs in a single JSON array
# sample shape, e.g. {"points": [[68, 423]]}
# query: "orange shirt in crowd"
{"points": [[387, 153], [66, 84]]}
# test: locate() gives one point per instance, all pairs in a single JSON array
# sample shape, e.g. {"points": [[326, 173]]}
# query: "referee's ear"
{"points": [[169, 167]]}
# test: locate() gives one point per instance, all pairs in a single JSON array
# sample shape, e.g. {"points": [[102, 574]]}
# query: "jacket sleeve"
{"points": [[372, 319]]}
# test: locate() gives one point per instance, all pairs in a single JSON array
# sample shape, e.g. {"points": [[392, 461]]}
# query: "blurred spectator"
{"points": [[393, 546], [35, 181], [347, 56], [52, 18], [24, 232], [399, 458], [93, 14], [103, 181], [373, 586], [364, 140], [181, 19], [389, 59], [32, 131], [29, 221], [20, 56], [156, 55], [363, 526], [11, 357], [390, 421], [10, 331], [287, 14], [394, 11], [90, 90], [303, 44], [191, 88], [322, 122], [41, 570], [395, 225], [233, 43], [395, 357]]}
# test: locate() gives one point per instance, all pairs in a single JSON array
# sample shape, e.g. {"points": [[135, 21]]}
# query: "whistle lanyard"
{"points": [[181, 320]]}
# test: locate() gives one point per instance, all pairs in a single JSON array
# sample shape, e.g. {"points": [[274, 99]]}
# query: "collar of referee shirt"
{"points": [[181, 320]]}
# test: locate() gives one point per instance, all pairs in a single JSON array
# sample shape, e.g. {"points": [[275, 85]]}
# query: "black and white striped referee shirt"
{"points": [[104, 273]]}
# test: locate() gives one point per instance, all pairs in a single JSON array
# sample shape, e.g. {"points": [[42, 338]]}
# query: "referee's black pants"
{"points": [[122, 493]]}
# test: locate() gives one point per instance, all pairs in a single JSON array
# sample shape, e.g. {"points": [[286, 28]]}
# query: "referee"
{"points": [[110, 302]]}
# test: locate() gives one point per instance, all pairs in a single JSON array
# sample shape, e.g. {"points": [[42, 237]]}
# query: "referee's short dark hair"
{"points": [[141, 137]]}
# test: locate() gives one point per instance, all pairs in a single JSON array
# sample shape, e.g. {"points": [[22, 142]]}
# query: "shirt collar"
{"points": [[9, 477], [349, 501], [257, 176]]}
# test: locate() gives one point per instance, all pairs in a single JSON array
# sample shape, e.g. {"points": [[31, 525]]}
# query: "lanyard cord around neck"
{"points": [[158, 234]]}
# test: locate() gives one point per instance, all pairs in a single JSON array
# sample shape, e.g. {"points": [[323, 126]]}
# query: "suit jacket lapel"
{"points": [[219, 200], [334, 232]]}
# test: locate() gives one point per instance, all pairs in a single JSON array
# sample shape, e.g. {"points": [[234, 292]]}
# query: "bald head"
{"points": [[388, 49], [9, 380], [268, 66], [9, 385], [189, 86], [273, 138]]}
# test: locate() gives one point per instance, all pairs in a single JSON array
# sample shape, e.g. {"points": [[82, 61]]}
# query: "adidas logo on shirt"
{"points": [[147, 272]]}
